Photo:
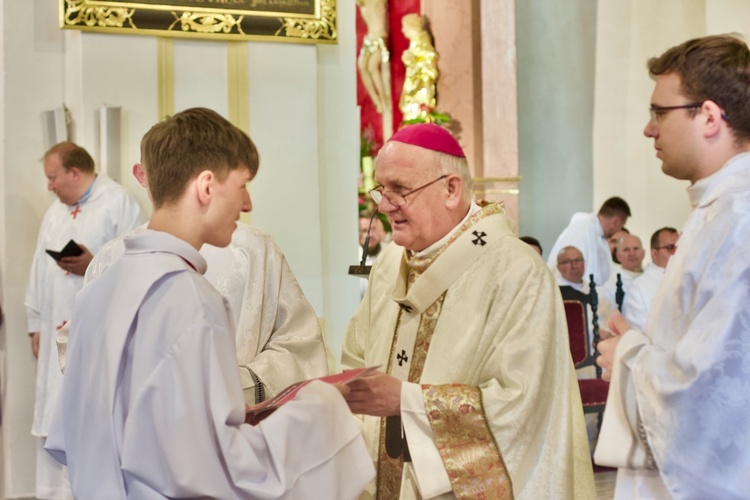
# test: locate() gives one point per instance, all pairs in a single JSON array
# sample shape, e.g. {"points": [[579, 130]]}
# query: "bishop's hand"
{"points": [[378, 395]]}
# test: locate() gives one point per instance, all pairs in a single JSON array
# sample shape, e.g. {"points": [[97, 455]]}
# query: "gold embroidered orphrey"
{"points": [[301, 21], [472, 459]]}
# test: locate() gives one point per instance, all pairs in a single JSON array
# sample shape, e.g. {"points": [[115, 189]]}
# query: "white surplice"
{"points": [[608, 292], [500, 331], [586, 234], [107, 212], [640, 296], [278, 334], [151, 403], [678, 396]]}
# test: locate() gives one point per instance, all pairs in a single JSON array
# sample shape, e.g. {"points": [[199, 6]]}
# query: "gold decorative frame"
{"points": [[300, 21]]}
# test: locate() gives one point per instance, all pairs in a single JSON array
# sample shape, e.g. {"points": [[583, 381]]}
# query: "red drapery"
{"points": [[371, 123]]}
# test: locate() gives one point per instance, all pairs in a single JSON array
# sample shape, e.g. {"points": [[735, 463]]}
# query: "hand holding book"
{"points": [[257, 413]]}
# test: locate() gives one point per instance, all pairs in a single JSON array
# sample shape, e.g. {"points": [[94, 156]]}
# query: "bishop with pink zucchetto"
{"points": [[476, 395]]}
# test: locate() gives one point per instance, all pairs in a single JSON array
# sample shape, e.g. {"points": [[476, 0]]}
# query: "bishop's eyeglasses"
{"points": [[396, 198]]}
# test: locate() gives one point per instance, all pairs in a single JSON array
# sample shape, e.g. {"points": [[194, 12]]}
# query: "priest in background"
{"points": [[589, 233], [630, 254], [90, 209], [640, 296], [477, 396], [570, 266]]}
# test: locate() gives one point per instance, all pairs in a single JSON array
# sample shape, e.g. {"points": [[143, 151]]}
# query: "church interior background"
{"points": [[551, 98]]}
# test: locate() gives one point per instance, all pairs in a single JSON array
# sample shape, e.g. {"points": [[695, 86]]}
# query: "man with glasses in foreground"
{"points": [[677, 412], [477, 395], [640, 295]]}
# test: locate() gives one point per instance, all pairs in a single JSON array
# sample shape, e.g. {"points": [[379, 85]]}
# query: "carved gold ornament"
{"points": [[303, 21]]}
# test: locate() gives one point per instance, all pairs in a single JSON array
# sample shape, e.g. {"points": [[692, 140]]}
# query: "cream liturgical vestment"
{"points": [[278, 334], [586, 234], [478, 329], [678, 401], [151, 404], [105, 212]]}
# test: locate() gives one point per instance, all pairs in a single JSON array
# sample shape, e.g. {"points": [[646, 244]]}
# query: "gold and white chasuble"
{"points": [[480, 326]]}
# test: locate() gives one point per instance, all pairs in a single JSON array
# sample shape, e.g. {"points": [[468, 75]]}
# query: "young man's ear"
{"points": [[140, 175], [712, 116], [204, 186]]}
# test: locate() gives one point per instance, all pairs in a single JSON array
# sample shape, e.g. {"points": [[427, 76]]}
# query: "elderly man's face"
{"points": [[60, 181], [424, 218], [571, 265], [630, 253]]}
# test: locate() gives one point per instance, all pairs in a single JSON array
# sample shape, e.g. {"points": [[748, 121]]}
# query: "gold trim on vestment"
{"points": [[466, 444], [390, 470]]}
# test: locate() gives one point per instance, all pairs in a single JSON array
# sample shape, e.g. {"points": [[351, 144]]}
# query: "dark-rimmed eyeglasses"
{"points": [[396, 198], [669, 248], [656, 111]]}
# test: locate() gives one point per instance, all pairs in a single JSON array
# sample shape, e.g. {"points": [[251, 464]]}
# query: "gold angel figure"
{"points": [[420, 60]]}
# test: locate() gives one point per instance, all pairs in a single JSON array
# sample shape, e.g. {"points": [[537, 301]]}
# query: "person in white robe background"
{"points": [[279, 340], [589, 233], [372, 232], [676, 417], [630, 254], [612, 242], [91, 209], [151, 404], [641, 293], [570, 269], [477, 385]]}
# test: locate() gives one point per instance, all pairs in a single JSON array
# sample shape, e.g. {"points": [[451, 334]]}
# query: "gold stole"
{"points": [[390, 469], [455, 412]]}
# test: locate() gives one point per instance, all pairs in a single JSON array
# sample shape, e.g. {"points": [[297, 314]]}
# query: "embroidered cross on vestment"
{"points": [[402, 358], [479, 238]]}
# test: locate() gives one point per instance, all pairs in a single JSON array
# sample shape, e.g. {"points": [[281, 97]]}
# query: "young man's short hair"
{"points": [[657, 234], [715, 68], [177, 149], [72, 155], [615, 206]]}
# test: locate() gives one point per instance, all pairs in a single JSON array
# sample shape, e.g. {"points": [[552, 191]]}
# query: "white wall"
{"points": [[556, 47], [302, 108]]}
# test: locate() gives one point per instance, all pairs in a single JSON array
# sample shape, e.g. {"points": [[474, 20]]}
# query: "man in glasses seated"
{"points": [[570, 265], [641, 294], [476, 385]]}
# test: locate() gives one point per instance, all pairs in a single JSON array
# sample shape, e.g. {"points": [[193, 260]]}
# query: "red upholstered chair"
{"points": [[593, 391]]}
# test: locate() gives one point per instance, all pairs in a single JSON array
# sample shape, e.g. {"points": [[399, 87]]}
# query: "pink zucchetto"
{"points": [[429, 136]]}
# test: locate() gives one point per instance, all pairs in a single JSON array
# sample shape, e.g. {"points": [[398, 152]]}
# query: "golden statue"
{"points": [[374, 52], [420, 59]]}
